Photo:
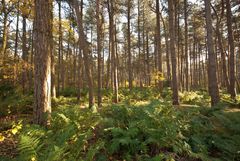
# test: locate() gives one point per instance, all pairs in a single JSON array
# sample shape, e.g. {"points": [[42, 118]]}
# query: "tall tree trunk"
{"points": [[232, 52], [99, 49], [223, 58], [171, 7], [84, 45], [42, 84], [186, 43], [113, 54], [60, 63], [158, 43], [166, 36], [139, 44], [148, 60], [24, 55], [16, 46], [5, 32], [53, 75], [212, 75], [130, 75]]}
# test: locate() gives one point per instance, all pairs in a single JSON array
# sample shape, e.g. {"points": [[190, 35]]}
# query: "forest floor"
{"points": [[142, 126]]}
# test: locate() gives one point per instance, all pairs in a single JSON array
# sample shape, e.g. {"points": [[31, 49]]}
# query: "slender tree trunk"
{"points": [[5, 32], [60, 63], [84, 45], [232, 52], [53, 76], [99, 49], [158, 43], [42, 84], [167, 50], [186, 43], [139, 44], [173, 52], [24, 55], [16, 47], [130, 73], [212, 75], [148, 60], [113, 54]]}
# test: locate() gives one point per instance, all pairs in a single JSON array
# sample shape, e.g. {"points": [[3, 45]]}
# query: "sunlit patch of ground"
{"points": [[230, 110]]}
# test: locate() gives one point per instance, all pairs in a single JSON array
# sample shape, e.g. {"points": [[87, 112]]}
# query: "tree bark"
{"points": [[173, 52], [212, 75], [42, 84], [130, 75], [158, 43], [24, 55], [186, 43], [232, 52], [113, 54], [99, 49], [16, 46]]}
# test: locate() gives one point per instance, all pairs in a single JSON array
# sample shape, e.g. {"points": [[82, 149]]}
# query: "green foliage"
{"points": [[66, 138], [142, 131], [72, 92], [143, 126], [214, 133], [12, 102], [200, 98]]}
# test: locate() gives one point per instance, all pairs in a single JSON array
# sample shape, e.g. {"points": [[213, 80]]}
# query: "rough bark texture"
{"points": [[42, 83], [173, 52], [212, 75]]}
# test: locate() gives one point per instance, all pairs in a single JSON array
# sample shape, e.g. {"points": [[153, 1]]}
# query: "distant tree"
{"points": [[99, 47], [84, 45], [232, 51]]}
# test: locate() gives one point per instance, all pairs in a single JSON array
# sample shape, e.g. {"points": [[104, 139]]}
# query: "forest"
{"points": [[119, 80]]}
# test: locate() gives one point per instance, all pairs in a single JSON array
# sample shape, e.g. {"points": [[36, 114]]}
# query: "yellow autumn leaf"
{"points": [[33, 159], [14, 131], [2, 138]]}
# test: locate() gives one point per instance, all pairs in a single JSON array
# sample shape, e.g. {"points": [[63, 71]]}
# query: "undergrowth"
{"points": [[144, 126]]}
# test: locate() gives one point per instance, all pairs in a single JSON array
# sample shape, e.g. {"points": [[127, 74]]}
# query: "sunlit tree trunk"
{"points": [[60, 52], [42, 41], [4, 33], [53, 75]]}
